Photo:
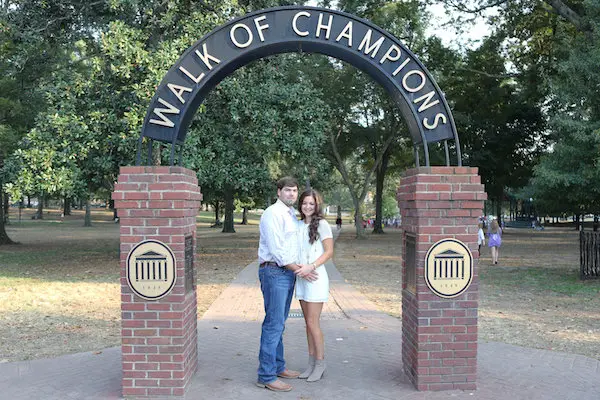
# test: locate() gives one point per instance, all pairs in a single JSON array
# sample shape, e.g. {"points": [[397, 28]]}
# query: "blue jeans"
{"points": [[277, 285]]}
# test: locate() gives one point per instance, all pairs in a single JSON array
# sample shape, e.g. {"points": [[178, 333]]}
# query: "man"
{"points": [[277, 254]]}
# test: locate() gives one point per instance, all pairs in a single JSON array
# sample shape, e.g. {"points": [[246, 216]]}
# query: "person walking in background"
{"points": [[495, 240], [315, 243], [277, 254], [480, 237]]}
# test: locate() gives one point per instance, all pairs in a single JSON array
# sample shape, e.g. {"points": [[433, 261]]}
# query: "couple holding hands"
{"points": [[292, 254]]}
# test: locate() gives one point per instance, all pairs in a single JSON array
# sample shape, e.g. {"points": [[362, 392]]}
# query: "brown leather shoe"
{"points": [[288, 374], [276, 386]]}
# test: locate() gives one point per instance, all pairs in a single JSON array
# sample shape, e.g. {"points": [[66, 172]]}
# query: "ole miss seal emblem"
{"points": [[449, 268], [151, 269]]}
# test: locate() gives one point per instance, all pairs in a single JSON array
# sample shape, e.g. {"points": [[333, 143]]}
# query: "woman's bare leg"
{"points": [[309, 339], [312, 316]]}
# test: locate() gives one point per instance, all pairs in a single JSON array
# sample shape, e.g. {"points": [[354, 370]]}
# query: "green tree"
{"points": [[569, 174], [255, 120]]}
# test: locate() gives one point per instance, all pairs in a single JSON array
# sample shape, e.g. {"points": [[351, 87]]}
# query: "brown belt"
{"points": [[270, 264]]}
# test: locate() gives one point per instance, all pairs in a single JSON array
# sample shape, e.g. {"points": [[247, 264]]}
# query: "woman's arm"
{"points": [[327, 252]]}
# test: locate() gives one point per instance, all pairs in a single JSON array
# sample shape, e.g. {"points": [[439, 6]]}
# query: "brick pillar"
{"points": [[439, 335], [159, 337]]}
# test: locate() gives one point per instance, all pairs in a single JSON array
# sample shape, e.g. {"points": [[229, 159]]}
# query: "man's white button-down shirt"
{"points": [[278, 226]]}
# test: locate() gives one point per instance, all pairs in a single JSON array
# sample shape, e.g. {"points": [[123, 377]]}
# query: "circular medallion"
{"points": [[449, 268], [151, 269]]}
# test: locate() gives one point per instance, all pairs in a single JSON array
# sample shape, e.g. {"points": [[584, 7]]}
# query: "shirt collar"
{"points": [[282, 205]]}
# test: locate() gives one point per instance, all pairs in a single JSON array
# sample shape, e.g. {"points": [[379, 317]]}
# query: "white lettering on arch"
{"points": [[195, 79], [260, 28], [426, 104], [206, 58], [436, 121], [346, 33], [295, 23], [164, 121], [248, 32], [178, 91], [327, 27], [408, 74], [370, 48], [388, 54]]}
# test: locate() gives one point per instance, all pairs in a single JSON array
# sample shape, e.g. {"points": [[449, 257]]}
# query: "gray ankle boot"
{"points": [[317, 372], [309, 370]]}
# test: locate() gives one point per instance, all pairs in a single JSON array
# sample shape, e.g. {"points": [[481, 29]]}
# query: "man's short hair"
{"points": [[287, 181]]}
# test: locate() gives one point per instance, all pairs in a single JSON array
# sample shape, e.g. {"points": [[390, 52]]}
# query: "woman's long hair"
{"points": [[313, 228], [494, 226]]}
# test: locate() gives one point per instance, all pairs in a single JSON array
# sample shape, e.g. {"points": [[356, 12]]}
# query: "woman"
{"points": [[495, 240], [315, 244]]}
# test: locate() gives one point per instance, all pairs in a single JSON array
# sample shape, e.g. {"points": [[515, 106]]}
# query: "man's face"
{"points": [[288, 195]]}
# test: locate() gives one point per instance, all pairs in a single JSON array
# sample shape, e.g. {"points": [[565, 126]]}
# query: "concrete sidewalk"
{"points": [[363, 352]]}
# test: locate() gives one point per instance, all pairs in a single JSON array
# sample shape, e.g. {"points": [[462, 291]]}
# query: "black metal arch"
{"points": [[300, 29]]}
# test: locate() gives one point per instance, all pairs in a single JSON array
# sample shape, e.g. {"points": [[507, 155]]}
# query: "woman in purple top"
{"points": [[495, 240]]}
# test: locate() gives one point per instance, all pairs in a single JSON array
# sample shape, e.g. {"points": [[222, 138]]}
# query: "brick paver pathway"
{"points": [[363, 352]]}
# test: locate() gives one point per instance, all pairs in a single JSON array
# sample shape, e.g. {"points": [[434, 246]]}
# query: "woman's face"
{"points": [[308, 206]]}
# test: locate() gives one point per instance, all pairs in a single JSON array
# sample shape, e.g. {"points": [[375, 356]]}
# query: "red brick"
{"points": [[466, 353], [133, 306], [133, 357], [158, 324], [130, 391], [141, 315], [134, 374], [133, 340], [159, 391], [145, 332], [174, 366], [454, 329], [144, 366], [172, 382], [147, 382], [435, 387], [441, 370], [430, 379], [133, 324], [146, 349], [454, 362]]}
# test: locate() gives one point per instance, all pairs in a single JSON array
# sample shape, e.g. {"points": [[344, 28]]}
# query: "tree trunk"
{"points": [[358, 220], [111, 206], [379, 178], [499, 211], [4, 239], [229, 207], [67, 206], [5, 203], [87, 221], [28, 201], [245, 216], [39, 214], [217, 216]]}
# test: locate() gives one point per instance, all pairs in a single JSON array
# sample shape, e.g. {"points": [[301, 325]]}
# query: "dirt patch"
{"points": [[533, 298], [51, 283]]}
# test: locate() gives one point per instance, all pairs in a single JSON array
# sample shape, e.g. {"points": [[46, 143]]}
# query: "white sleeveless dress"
{"points": [[317, 291]]}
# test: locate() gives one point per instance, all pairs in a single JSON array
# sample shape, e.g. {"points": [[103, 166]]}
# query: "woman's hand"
{"points": [[307, 271]]}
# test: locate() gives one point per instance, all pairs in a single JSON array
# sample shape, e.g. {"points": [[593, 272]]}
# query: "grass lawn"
{"points": [[59, 290]]}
